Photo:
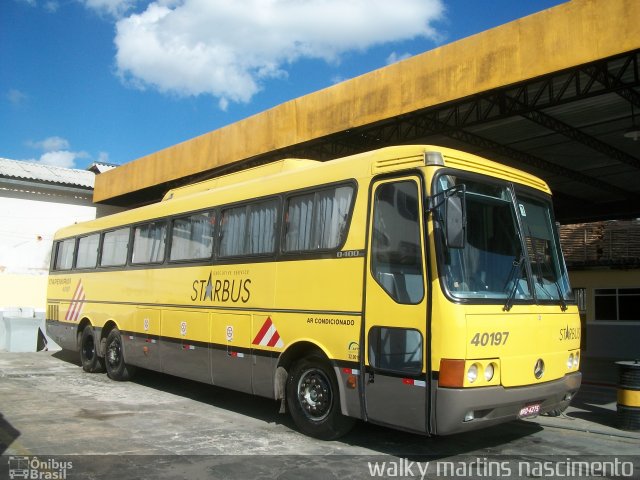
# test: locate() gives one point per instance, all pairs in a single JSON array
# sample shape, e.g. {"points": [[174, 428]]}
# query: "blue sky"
{"points": [[114, 80]]}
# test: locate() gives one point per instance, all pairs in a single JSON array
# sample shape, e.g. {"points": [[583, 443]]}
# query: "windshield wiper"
{"points": [[563, 302], [516, 267], [538, 258], [540, 276]]}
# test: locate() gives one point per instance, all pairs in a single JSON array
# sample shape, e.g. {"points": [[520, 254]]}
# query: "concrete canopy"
{"points": [[555, 94]]}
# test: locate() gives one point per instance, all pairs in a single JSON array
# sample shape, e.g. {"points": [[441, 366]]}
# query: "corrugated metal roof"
{"points": [[45, 173]]}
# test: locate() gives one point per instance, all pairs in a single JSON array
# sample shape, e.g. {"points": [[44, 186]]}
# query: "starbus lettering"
{"points": [[569, 333], [235, 290]]}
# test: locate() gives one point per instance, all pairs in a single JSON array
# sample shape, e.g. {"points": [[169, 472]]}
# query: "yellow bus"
{"points": [[416, 287]]}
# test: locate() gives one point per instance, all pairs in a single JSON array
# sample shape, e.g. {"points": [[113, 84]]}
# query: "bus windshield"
{"points": [[508, 255]]}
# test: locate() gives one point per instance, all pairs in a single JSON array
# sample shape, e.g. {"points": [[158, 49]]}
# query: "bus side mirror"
{"points": [[455, 220]]}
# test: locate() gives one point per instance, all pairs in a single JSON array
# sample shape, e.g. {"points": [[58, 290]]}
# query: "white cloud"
{"points": [[103, 157], [229, 48], [56, 152], [396, 57], [62, 158], [51, 6], [50, 144], [16, 97], [115, 8]]}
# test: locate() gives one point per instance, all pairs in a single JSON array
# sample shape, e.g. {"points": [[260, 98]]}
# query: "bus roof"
{"points": [[294, 173]]}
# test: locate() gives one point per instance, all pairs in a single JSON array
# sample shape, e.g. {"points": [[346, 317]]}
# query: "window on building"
{"points": [[88, 251], [317, 220], [149, 242], [617, 304], [114, 248], [192, 237], [64, 254]]}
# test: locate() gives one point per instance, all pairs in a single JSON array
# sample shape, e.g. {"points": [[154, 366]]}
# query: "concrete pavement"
{"points": [[159, 426]]}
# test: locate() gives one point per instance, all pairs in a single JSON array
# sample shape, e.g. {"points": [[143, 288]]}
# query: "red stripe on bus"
{"points": [[274, 339], [267, 324]]}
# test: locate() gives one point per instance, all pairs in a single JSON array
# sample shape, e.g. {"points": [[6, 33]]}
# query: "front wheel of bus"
{"points": [[89, 358], [117, 369], [313, 400]]}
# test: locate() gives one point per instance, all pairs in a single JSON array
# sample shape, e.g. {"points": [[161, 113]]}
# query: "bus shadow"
{"points": [[594, 405], [381, 439], [260, 408], [489, 441], [8, 434], [593, 414], [68, 356]]}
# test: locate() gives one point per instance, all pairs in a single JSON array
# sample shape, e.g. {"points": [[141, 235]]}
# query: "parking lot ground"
{"points": [[158, 426]]}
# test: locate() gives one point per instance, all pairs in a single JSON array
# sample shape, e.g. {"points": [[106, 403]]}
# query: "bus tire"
{"points": [[313, 400], [117, 369], [89, 358]]}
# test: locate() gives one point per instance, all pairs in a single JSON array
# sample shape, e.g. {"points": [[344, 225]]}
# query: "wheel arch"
{"points": [[293, 353], [108, 326], [84, 323]]}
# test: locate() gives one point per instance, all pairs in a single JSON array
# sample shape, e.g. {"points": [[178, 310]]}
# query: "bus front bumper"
{"points": [[493, 405]]}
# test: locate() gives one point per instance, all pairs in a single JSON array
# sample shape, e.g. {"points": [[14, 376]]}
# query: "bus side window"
{"points": [[149, 242], [114, 248], [317, 220], [192, 237], [261, 234], [249, 229], [88, 251], [64, 254], [396, 261], [395, 349]]}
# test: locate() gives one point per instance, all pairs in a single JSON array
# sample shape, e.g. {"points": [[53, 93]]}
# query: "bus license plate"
{"points": [[529, 411]]}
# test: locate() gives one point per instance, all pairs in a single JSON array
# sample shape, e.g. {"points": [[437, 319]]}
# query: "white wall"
{"points": [[28, 221], [27, 228]]}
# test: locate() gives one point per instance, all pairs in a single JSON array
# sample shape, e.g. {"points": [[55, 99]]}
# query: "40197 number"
{"points": [[489, 338]]}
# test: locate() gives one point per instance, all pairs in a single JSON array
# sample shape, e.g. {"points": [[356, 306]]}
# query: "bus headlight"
{"points": [[472, 373], [488, 372], [576, 360], [570, 361]]}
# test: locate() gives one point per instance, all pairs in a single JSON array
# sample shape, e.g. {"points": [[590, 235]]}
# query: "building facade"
{"points": [[35, 201], [603, 259]]}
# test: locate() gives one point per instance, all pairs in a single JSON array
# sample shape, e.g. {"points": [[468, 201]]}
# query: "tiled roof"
{"points": [[614, 242], [45, 173]]}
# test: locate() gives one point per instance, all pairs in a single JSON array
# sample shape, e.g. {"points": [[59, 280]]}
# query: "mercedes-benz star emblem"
{"points": [[538, 370]]}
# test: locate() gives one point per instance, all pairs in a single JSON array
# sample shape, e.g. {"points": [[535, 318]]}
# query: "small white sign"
{"points": [[230, 333], [183, 328], [523, 212]]}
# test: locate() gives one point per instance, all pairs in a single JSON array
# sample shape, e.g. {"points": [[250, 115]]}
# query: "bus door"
{"points": [[395, 325]]}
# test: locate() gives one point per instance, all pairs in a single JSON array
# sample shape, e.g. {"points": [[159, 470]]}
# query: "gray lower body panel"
{"points": [[494, 405], [64, 334]]}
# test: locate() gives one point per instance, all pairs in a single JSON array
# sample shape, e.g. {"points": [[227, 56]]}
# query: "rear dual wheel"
{"points": [[117, 369], [89, 358]]}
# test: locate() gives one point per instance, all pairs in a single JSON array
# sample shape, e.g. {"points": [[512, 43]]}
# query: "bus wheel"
{"points": [[117, 369], [89, 358], [313, 400]]}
